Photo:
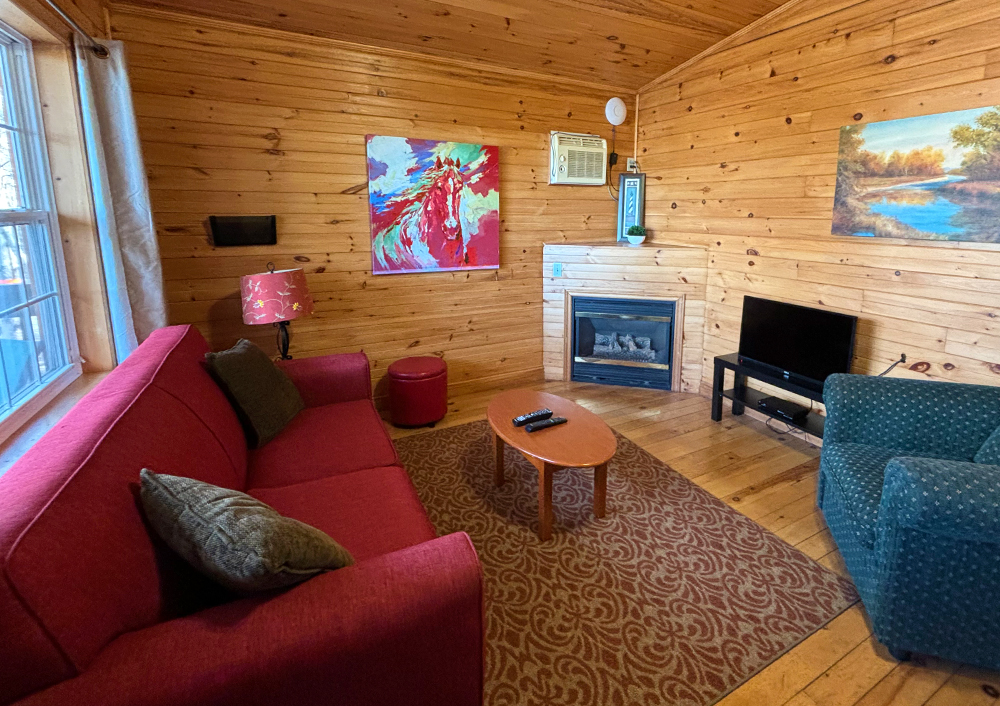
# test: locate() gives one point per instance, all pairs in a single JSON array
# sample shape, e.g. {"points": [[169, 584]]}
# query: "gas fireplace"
{"points": [[623, 341]]}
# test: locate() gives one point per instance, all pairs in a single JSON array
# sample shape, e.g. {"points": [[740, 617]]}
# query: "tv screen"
{"points": [[798, 341]]}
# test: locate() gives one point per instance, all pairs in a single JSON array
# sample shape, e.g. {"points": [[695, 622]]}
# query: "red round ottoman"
{"points": [[418, 391]]}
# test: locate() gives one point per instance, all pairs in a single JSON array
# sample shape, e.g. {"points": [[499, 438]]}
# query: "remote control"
{"points": [[545, 424], [530, 417]]}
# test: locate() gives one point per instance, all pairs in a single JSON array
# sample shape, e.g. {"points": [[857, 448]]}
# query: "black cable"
{"points": [[902, 359]]}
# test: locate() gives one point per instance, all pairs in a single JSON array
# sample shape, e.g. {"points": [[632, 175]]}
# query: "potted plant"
{"points": [[635, 235]]}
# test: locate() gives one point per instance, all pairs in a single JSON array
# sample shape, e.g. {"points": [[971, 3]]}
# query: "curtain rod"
{"points": [[99, 49]]}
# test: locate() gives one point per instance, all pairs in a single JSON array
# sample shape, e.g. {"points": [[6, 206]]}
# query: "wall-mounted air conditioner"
{"points": [[578, 159]]}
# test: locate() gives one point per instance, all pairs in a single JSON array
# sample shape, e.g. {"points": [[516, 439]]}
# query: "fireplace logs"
{"points": [[615, 346]]}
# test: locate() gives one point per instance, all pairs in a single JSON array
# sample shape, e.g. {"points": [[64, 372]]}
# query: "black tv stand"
{"points": [[743, 396]]}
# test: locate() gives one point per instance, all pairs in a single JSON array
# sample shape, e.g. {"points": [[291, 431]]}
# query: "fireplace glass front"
{"points": [[623, 341]]}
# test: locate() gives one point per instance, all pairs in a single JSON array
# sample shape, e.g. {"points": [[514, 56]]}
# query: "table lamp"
{"points": [[276, 297]]}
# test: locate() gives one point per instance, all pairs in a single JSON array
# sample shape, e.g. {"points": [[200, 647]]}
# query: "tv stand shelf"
{"points": [[743, 396]]}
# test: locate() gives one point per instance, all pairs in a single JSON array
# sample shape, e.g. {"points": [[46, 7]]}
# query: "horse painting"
{"points": [[435, 206]]}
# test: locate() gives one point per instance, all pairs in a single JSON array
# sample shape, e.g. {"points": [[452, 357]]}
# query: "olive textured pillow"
{"points": [[233, 538], [265, 399]]}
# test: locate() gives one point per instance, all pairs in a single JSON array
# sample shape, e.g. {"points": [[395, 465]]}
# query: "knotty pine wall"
{"points": [[241, 120], [740, 149]]}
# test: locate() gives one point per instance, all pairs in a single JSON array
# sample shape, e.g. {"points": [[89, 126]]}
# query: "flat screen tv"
{"points": [[802, 344]]}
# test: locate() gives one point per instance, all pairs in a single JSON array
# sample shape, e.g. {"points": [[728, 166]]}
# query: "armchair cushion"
{"points": [[947, 498], [858, 470], [321, 442], [989, 452]]}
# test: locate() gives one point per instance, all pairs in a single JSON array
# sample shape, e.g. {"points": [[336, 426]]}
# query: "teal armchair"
{"points": [[910, 488]]}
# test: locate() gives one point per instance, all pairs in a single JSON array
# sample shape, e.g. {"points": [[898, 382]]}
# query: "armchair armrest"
{"points": [[328, 379], [953, 499], [406, 627], [945, 419]]}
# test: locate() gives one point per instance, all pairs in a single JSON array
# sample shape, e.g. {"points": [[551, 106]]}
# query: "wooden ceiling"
{"points": [[619, 43]]}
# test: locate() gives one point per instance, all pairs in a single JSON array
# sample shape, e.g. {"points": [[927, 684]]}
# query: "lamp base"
{"points": [[283, 340]]}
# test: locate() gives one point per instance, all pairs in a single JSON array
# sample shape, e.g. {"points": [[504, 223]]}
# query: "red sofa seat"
{"points": [[95, 610]]}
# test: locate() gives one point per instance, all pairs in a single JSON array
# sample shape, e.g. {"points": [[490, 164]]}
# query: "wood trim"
{"points": [[294, 38], [730, 41], [74, 204]]}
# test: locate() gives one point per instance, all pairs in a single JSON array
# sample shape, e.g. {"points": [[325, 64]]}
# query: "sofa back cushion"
{"points": [[79, 564]]}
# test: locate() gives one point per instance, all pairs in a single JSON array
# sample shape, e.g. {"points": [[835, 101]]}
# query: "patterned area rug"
{"points": [[672, 598]]}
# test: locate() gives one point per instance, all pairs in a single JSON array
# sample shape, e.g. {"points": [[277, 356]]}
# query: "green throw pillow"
{"points": [[989, 452], [233, 538], [265, 399]]}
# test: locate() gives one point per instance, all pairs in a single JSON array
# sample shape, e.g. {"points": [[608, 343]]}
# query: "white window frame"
{"points": [[30, 153]]}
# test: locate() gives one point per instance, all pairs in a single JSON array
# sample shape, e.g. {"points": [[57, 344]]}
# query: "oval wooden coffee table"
{"points": [[584, 441]]}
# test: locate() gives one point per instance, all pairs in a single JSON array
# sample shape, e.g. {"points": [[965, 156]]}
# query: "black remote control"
{"points": [[545, 424], [535, 416]]}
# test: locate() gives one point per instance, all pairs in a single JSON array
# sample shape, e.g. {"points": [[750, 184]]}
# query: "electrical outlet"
{"points": [[632, 164], [557, 269]]}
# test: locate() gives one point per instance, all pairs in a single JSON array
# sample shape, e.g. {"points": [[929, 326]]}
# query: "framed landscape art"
{"points": [[434, 206], [933, 177]]}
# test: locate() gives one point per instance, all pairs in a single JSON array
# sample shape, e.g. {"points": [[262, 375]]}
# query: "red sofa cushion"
{"points": [[78, 564], [321, 442], [370, 512]]}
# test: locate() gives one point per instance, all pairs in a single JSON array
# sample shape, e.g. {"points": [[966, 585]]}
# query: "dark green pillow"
{"points": [[233, 538], [264, 398], [989, 452]]}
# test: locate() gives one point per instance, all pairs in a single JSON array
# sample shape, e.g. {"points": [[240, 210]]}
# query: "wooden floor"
{"points": [[771, 478]]}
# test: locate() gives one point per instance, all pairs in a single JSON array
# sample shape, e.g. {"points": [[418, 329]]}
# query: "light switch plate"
{"points": [[557, 269]]}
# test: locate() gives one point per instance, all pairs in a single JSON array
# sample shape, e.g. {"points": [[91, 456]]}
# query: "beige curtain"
{"points": [[129, 249]]}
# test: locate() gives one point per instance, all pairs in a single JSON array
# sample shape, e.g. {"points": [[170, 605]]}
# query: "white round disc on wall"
{"points": [[615, 111]]}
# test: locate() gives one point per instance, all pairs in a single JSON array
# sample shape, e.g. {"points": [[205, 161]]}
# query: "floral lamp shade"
{"points": [[275, 296]]}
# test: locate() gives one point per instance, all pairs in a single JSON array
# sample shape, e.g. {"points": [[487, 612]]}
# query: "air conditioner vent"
{"points": [[578, 159]]}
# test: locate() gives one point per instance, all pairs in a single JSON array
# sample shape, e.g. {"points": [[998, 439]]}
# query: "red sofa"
{"points": [[96, 610]]}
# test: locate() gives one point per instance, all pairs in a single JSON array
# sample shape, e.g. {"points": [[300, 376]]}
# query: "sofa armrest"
{"points": [[328, 379], [406, 627], [921, 417], [953, 499]]}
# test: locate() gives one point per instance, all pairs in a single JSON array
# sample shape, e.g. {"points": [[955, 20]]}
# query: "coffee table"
{"points": [[584, 441]]}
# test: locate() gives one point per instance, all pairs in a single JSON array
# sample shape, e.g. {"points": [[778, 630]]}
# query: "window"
{"points": [[36, 345]]}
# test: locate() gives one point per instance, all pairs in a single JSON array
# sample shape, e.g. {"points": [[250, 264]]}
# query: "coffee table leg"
{"points": [[545, 474], [498, 444], [600, 489]]}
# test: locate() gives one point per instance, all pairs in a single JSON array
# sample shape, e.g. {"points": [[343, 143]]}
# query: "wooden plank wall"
{"points": [[88, 13], [740, 149], [645, 271], [242, 120]]}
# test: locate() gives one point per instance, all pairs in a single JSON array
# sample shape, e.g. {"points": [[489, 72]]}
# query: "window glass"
{"points": [[35, 347]]}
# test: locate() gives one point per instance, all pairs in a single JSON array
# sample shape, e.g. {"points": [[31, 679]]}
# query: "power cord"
{"points": [[612, 160], [902, 359]]}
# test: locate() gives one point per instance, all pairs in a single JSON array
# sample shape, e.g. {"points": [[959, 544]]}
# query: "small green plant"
{"points": [[636, 230]]}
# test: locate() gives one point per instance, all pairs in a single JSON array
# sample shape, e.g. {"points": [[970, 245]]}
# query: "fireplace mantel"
{"points": [[650, 270]]}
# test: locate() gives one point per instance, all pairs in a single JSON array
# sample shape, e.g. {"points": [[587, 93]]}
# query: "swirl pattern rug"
{"points": [[672, 598]]}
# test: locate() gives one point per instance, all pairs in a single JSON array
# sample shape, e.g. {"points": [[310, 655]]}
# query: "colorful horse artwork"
{"points": [[435, 206]]}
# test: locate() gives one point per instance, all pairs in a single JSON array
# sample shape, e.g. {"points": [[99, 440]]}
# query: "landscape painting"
{"points": [[934, 177], [435, 206]]}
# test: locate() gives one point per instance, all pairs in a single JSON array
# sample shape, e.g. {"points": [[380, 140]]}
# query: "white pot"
{"points": [[636, 239]]}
